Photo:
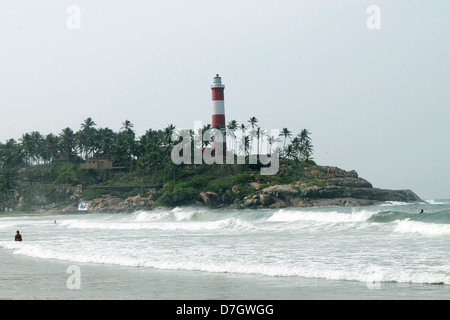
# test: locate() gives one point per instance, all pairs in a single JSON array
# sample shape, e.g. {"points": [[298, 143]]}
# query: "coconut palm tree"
{"points": [[105, 139], [307, 150], [244, 145], [67, 143], [290, 152], [259, 134], [11, 155], [272, 140], [232, 127], [304, 135], [127, 141], [51, 142], [168, 136], [87, 138], [37, 141], [287, 134], [253, 121], [26, 143], [205, 128]]}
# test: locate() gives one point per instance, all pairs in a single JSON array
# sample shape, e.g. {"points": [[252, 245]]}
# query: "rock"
{"points": [[211, 199]]}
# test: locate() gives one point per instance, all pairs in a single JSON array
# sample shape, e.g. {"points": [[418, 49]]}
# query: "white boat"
{"points": [[83, 206]]}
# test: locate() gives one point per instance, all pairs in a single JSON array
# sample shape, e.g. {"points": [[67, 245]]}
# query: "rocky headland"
{"points": [[334, 187], [339, 187]]}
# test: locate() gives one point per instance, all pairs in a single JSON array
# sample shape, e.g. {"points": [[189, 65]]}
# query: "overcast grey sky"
{"points": [[376, 100]]}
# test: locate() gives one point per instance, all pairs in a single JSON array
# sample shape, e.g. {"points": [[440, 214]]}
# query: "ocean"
{"points": [[387, 251]]}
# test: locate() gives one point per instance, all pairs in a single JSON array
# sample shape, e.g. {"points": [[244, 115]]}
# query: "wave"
{"points": [[227, 223], [389, 216], [284, 215], [432, 201], [433, 229], [177, 214], [395, 203], [428, 217], [369, 274]]}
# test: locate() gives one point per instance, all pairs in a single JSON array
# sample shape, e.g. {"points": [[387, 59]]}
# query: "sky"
{"points": [[371, 85]]}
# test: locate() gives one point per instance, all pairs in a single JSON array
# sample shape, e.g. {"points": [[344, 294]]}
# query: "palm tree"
{"points": [[67, 142], [168, 135], [87, 137], [126, 143], [50, 147], [205, 143], [253, 121], [290, 152], [271, 140], [287, 134], [304, 135], [38, 146], [259, 134], [232, 127], [105, 139], [244, 145], [27, 147], [11, 155], [251, 136], [307, 150]]}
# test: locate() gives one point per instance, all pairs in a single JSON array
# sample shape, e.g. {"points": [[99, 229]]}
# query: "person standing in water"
{"points": [[18, 236]]}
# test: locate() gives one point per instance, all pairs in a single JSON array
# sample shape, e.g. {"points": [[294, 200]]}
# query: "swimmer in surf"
{"points": [[18, 236]]}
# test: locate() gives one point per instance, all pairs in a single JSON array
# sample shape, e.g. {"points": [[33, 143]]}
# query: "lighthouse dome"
{"points": [[217, 82]]}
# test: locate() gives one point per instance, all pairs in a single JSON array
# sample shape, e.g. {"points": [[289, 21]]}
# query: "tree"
{"points": [[37, 141], [87, 138], [67, 142], [259, 134], [253, 122], [232, 127], [290, 152], [244, 145], [168, 136], [272, 140], [205, 128], [304, 135], [50, 147], [307, 150], [125, 147], [27, 147], [287, 134], [105, 140], [11, 155]]}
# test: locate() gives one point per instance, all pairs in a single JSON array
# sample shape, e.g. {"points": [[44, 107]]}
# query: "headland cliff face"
{"points": [[338, 187]]}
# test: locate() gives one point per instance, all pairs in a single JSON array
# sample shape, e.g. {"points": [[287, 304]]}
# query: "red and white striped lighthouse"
{"points": [[218, 115]]}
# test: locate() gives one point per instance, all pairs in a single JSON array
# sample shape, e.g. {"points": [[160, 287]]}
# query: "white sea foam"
{"points": [[363, 273], [408, 226], [395, 203], [432, 201], [227, 223], [317, 216]]}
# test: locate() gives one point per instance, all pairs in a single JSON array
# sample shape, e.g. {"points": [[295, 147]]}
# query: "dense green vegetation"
{"points": [[43, 170]]}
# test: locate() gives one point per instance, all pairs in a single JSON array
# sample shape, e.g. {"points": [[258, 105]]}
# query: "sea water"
{"points": [[388, 251]]}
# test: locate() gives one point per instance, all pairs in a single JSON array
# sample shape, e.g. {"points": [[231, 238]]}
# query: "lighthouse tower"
{"points": [[218, 115]]}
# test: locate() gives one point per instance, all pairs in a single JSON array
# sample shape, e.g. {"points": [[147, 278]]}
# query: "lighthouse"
{"points": [[218, 104]]}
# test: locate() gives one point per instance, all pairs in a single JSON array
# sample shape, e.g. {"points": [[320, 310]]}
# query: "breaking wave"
{"points": [[291, 242]]}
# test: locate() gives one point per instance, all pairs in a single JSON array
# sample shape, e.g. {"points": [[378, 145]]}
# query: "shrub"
{"points": [[178, 197]]}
